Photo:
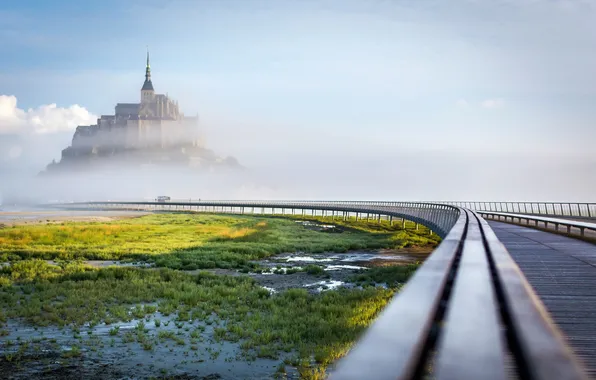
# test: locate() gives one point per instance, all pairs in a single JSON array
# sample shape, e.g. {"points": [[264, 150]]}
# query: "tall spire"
{"points": [[148, 68], [147, 85]]}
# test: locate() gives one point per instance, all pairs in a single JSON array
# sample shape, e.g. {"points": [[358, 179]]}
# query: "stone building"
{"points": [[151, 131]]}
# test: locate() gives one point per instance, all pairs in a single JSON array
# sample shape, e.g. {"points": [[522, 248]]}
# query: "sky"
{"points": [[333, 99]]}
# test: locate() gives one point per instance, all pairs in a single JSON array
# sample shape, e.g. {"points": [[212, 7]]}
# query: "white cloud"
{"points": [[44, 119], [493, 103]]}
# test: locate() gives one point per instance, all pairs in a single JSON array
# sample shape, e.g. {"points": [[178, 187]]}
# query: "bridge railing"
{"points": [[468, 312], [571, 227], [563, 209], [439, 218]]}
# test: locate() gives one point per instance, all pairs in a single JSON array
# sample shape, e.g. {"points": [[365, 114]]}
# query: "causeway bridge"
{"points": [[510, 293]]}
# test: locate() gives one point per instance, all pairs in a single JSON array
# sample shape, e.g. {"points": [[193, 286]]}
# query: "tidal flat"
{"points": [[195, 296]]}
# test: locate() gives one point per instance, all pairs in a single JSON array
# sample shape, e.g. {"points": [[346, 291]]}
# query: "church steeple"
{"points": [[147, 86], [148, 68]]}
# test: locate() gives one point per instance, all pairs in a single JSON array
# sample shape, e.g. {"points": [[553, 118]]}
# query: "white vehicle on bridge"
{"points": [[163, 198]]}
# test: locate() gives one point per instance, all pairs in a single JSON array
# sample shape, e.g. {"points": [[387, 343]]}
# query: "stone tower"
{"points": [[147, 91]]}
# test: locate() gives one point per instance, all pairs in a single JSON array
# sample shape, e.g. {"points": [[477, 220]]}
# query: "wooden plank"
{"points": [[562, 272], [541, 350], [471, 345]]}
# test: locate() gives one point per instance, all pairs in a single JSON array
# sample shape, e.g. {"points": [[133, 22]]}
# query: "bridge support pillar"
{"points": [[390, 220], [403, 223], [379, 218], [356, 216], [417, 226]]}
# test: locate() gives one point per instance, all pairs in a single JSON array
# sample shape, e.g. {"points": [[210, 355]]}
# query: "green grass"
{"points": [[72, 294], [392, 276], [266, 325], [199, 241]]}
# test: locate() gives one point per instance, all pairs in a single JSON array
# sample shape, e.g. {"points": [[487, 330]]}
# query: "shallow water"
{"points": [[337, 267], [197, 358], [342, 267], [325, 285]]}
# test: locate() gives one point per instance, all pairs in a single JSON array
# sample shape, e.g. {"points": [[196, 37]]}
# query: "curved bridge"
{"points": [[467, 313]]}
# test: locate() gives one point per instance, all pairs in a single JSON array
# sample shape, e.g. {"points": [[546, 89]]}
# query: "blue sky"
{"points": [[353, 78]]}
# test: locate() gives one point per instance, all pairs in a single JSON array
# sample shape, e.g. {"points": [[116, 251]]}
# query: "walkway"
{"points": [[562, 271]]}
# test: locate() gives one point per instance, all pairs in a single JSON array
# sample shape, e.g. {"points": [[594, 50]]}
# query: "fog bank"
{"points": [[399, 177]]}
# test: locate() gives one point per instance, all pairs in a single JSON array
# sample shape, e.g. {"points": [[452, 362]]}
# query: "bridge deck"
{"points": [[562, 272]]}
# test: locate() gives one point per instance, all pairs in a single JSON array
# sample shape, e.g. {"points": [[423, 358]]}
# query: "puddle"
{"points": [[341, 267], [308, 259], [286, 271], [271, 290], [349, 257], [325, 285], [280, 270]]}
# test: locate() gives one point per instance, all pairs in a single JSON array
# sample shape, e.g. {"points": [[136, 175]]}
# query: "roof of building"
{"points": [[147, 85]]}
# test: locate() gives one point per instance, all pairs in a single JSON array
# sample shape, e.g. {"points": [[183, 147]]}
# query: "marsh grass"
{"points": [[199, 241], [266, 325], [71, 294], [393, 276]]}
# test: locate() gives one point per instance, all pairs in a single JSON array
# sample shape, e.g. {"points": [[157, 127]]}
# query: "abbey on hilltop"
{"points": [[153, 131]]}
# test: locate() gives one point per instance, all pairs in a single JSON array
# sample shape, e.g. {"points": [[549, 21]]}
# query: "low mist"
{"points": [[278, 163], [395, 177]]}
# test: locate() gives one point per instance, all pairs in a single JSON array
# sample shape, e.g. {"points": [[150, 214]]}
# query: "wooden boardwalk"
{"points": [[562, 271]]}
